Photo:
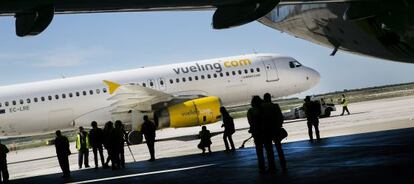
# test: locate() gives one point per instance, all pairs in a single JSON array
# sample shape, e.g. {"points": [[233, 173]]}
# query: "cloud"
{"points": [[55, 58]]}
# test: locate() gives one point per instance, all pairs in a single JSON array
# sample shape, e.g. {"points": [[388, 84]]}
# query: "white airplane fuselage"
{"points": [[46, 106]]}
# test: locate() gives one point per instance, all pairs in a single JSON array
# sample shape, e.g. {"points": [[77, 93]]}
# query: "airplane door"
{"points": [[271, 70], [161, 84], [151, 83]]}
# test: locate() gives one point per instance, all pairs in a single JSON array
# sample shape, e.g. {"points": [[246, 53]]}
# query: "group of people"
{"points": [[112, 138], [266, 119], [229, 130]]}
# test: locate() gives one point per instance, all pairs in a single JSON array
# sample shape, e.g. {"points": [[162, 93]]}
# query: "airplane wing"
{"points": [[134, 97], [33, 17]]}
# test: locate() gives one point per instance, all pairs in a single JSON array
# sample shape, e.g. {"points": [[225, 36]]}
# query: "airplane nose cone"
{"points": [[313, 77]]}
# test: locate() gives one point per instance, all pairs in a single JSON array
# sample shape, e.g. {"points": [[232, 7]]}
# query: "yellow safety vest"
{"points": [[78, 142], [344, 102]]}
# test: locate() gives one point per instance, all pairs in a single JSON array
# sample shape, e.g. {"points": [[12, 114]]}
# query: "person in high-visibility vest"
{"points": [[82, 145], [344, 102]]}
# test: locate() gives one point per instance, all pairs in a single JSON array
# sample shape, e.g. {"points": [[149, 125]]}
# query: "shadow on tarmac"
{"points": [[379, 157]]}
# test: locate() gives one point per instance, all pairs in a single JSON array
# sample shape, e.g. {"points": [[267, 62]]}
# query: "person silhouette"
{"points": [[108, 128], [229, 129], [148, 129], [96, 137], [312, 110], [3, 164], [260, 135], [274, 117], [62, 152], [205, 139]]}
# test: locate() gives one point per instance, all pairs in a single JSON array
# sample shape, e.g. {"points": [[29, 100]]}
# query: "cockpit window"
{"points": [[294, 64]]}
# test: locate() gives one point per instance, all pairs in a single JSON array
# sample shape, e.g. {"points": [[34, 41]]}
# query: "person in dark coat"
{"points": [[63, 152], [257, 129], [108, 128], [3, 164], [274, 117], [117, 144], [96, 137], [229, 129], [312, 110], [148, 129], [205, 139]]}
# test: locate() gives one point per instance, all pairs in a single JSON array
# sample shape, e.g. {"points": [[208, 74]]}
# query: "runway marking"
{"points": [[142, 174]]}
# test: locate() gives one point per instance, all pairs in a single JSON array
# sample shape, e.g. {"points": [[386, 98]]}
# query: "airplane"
{"points": [[175, 95], [376, 28]]}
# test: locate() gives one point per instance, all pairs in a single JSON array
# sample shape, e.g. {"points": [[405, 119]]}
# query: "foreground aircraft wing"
{"points": [[134, 97], [33, 17]]}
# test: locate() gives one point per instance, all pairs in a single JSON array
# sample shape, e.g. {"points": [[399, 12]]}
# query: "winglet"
{"points": [[112, 86]]}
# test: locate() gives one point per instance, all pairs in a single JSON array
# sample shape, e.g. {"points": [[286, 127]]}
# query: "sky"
{"points": [[92, 43]]}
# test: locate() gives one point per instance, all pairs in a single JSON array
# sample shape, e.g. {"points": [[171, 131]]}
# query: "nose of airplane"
{"points": [[313, 77]]}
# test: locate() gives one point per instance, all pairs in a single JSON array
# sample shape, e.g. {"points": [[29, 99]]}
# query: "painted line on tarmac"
{"points": [[142, 174]]}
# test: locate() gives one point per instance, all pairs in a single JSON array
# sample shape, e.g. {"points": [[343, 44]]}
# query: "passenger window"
{"points": [[171, 81], [151, 84], [221, 75], [35, 99], [246, 71], [70, 95], [227, 74], [258, 69], [57, 97], [21, 101], [202, 77], [196, 77], [104, 90], [6, 104], [162, 82], [14, 102], [91, 92], [233, 72], [144, 85], [63, 95], [240, 72], [98, 91], [190, 79], [208, 76], [84, 93], [251, 70], [42, 98], [28, 100], [49, 97], [215, 75], [183, 79], [177, 80]]}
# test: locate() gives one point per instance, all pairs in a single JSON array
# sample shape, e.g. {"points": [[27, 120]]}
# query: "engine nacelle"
{"points": [[33, 22], [190, 113], [234, 15]]}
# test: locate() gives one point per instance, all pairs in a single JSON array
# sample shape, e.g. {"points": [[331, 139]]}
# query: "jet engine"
{"points": [[190, 113], [33, 22], [187, 113], [227, 16]]}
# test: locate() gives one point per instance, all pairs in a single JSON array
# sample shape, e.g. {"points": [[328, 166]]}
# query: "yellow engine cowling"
{"points": [[194, 112]]}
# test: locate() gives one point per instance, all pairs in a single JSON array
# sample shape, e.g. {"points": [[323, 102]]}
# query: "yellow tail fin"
{"points": [[112, 86]]}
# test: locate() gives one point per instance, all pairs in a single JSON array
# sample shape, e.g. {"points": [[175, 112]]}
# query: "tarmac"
{"points": [[374, 144]]}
